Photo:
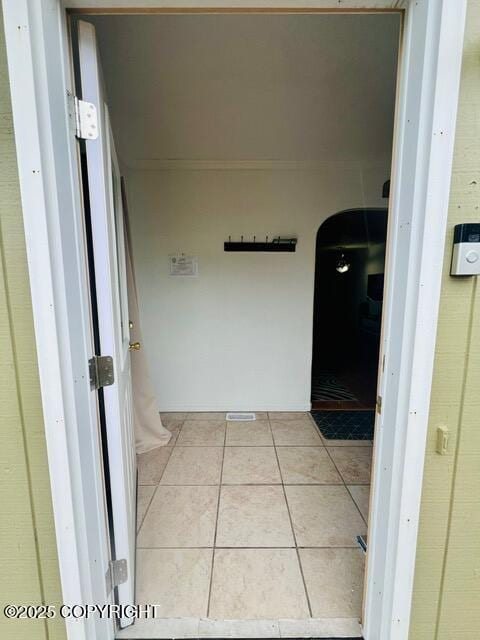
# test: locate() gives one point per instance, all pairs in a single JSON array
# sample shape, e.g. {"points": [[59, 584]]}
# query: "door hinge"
{"points": [[378, 405], [117, 573], [83, 116], [100, 369]]}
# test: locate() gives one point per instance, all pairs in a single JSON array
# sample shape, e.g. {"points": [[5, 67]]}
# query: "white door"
{"points": [[112, 309]]}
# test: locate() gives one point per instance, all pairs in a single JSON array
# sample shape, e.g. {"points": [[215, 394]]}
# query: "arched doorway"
{"points": [[349, 274]]}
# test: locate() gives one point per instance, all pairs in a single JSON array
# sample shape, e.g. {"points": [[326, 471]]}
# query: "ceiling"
{"points": [[250, 87]]}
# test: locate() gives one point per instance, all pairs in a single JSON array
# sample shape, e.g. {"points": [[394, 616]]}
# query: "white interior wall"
{"points": [[247, 125], [239, 336]]}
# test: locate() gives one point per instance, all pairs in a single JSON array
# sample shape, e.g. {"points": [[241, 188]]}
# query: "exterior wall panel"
{"points": [[28, 553], [446, 602]]}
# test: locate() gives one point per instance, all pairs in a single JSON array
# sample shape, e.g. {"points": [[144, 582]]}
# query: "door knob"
{"points": [[134, 346]]}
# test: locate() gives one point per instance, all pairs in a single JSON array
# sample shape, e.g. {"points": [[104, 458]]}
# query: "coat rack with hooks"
{"points": [[276, 245]]}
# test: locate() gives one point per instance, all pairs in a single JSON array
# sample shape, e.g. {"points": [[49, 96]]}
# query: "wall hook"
{"points": [[277, 245]]}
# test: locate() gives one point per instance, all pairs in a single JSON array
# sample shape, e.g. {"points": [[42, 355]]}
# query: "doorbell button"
{"points": [[466, 250], [472, 256]]}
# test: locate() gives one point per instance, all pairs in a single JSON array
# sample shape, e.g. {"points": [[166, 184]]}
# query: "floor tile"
{"points": [[250, 465], [334, 579], [249, 434], [174, 427], [180, 517], [307, 465], [294, 433], [261, 415], [253, 516], [202, 433], [324, 516], [257, 584], [354, 463], [361, 495], [151, 465], [288, 415], [346, 443], [177, 580], [172, 416], [194, 465], [207, 415], [144, 495]]}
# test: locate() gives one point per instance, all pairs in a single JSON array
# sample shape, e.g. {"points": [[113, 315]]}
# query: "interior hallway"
{"points": [[252, 521]]}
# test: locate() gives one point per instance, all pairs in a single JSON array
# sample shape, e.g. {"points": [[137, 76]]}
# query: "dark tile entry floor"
{"points": [[345, 425]]}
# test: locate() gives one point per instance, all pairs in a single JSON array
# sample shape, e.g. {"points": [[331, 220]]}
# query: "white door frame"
{"points": [[428, 87]]}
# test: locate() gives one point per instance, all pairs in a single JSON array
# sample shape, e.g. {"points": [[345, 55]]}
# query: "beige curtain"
{"points": [[149, 431]]}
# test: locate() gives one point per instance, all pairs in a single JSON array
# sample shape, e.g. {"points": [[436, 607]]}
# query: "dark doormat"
{"points": [[345, 425]]}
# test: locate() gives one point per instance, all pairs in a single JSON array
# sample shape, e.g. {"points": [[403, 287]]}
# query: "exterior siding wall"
{"points": [[28, 554], [446, 602]]}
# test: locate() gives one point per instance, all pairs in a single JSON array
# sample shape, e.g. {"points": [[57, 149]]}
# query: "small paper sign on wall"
{"points": [[184, 266]]}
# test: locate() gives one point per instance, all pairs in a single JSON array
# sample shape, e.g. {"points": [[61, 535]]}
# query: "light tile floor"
{"points": [[252, 521]]}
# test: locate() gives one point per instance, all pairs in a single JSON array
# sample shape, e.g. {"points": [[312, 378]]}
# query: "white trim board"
{"points": [[242, 5], [37, 50], [166, 628]]}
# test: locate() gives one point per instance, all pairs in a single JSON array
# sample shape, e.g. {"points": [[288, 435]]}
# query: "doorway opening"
{"points": [[218, 120], [349, 282]]}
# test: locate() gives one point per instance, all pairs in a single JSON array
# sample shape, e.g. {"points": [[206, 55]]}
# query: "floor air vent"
{"points": [[243, 416]]}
